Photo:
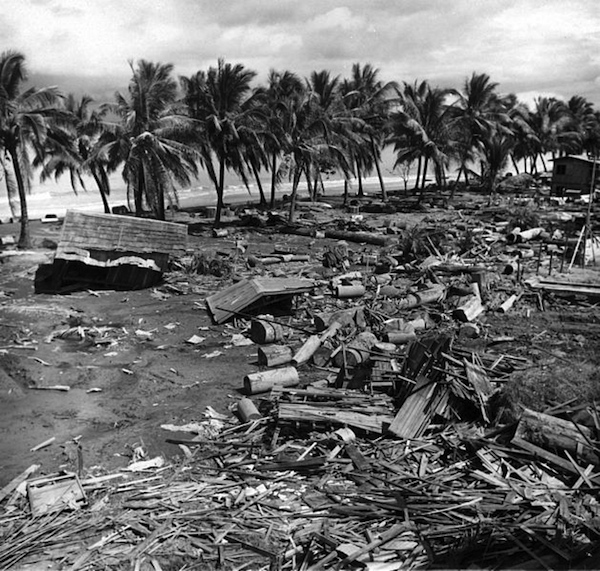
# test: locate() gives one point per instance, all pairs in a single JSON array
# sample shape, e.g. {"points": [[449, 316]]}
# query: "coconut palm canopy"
{"points": [[163, 129]]}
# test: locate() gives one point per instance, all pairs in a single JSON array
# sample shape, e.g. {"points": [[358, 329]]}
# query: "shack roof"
{"points": [[114, 233], [245, 296]]}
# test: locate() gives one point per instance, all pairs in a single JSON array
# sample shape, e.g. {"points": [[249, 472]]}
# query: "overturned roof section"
{"points": [[110, 232], [110, 251], [247, 296]]}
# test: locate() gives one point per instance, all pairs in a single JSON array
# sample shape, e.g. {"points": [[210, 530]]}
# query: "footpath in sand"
{"points": [[428, 402]]}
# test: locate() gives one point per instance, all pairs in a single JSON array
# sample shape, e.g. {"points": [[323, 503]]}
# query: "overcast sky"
{"points": [[529, 47]]}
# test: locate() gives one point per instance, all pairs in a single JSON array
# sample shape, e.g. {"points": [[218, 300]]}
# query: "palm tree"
{"points": [[367, 98], [151, 139], [78, 151], [215, 101], [25, 120], [495, 150], [420, 129], [477, 112], [280, 88], [554, 129]]}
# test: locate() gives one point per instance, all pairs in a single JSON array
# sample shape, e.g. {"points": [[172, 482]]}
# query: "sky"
{"points": [[528, 47]]}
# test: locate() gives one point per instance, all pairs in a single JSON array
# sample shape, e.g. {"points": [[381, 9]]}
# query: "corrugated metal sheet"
{"points": [[110, 232], [241, 298]]}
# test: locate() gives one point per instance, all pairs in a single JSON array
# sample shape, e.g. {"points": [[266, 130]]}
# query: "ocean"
{"points": [[56, 197]]}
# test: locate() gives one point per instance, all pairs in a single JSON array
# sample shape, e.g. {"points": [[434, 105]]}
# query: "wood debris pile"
{"points": [[320, 479]]}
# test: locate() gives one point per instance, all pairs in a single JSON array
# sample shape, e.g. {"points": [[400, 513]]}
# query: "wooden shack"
{"points": [[110, 251], [572, 176]]}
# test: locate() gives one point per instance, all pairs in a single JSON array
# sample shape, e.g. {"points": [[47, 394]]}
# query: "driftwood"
{"points": [[263, 381], [312, 344], [247, 410], [409, 300], [273, 355]]}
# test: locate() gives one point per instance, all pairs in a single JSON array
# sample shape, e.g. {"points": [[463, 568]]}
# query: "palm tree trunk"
{"points": [[273, 179], [514, 162], [139, 191], [309, 184], [418, 179], [101, 190], [425, 164], [24, 236], [220, 191], [359, 175], [345, 190], [296, 181], [263, 199], [378, 168]]}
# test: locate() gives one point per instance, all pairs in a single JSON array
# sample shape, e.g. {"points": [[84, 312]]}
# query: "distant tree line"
{"points": [[163, 130]]}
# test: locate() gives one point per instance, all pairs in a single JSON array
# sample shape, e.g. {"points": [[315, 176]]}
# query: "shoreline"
{"points": [[43, 201]]}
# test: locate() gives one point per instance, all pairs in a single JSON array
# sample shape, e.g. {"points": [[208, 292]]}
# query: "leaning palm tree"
{"points": [[77, 152], [215, 101], [25, 120], [150, 140]]}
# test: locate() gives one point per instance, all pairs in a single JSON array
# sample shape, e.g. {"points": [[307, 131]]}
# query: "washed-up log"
{"points": [[357, 352], [431, 295], [264, 381], [557, 435], [343, 317], [312, 344], [400, 337], [247, 410], [360, 237], [263, 331], [273, 355], [346, 291]]}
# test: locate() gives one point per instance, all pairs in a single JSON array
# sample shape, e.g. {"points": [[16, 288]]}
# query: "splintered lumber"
{"points": [[415, 299], [307, 412], [263, 331], [427, 399], [247, 410], [564, 287], [273, 355], [482, 386], [264, 381], [557, 435], [16, 482], [469, 310]]}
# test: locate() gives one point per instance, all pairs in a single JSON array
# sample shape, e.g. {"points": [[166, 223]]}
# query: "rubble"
{"points": [[373, 433]]}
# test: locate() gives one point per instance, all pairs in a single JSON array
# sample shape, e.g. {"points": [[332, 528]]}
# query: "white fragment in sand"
{"points": [[171, 326], [195, 340], [157, 462], [239, 340], [212, 355]]}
